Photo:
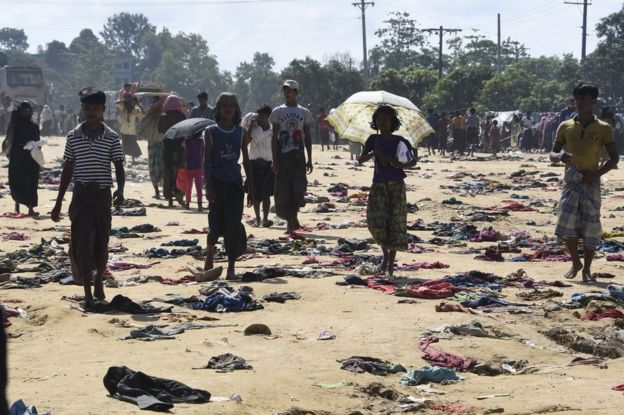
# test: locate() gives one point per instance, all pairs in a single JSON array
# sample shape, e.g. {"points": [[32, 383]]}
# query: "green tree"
{"points": [[123, 33], [400, 43], [187, 67], [85, 40], [344, 80], [313, 82], [517, 88], [13, 39], [255, 82], [459, 89], [412, 82], [604, 65], [56, 56]]}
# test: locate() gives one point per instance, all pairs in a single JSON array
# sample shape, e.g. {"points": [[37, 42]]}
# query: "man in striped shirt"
{"points": [[89, 151]]}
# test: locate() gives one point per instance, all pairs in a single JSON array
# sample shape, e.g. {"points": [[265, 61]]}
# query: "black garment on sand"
{"points": [[227, 362], [281, 297], [123, 304], [148, 392], [23, 169]]}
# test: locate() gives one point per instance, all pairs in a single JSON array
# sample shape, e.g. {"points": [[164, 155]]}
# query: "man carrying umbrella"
{"points": [[291, 133]]}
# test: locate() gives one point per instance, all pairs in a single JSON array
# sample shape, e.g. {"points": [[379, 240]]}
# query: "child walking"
{"points": [[495, 138], [193, 169], [387, 204], [224, 185], [90, 150]]}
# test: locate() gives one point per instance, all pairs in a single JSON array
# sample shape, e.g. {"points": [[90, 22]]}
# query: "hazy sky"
{"points": [[289, 29]]}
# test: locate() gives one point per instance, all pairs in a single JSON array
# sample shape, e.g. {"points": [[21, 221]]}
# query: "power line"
{"points": [[440, 31], [362, 5], [585, 3]]}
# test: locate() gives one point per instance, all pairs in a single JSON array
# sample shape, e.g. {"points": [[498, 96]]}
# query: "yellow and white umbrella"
{"points": [[351, 120]]}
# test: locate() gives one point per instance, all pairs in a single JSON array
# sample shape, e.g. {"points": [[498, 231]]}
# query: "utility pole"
{"points": [[585, 3], [362, 5], [440, 31], [498, 48]]}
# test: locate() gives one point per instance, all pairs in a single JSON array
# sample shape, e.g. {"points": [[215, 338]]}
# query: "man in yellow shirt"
{"points": [[579, 143]]}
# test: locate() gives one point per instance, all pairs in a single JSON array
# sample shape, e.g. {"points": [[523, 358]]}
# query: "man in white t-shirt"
{"points": [[291, 135]]}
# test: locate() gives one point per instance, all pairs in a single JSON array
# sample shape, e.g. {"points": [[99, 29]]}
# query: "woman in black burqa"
{"points": [[23, 169]]}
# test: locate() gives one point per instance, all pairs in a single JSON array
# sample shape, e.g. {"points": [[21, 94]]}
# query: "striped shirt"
{"points": [[93, 158]]}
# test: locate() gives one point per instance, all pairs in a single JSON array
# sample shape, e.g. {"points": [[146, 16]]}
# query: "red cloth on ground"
{"points": [[515, 207], [15, 215], [611, 313], [381, 284], [416, 249], [443, 359], [452, 408], [616, 257], [311, 259], [195, 231], [619, 388], [432, 290]]}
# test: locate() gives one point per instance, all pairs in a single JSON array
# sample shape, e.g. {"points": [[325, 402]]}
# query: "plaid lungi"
{"points": [[579, 209]]}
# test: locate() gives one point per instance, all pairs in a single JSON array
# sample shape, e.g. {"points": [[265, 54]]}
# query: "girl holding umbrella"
{"points": [[387, 204]]}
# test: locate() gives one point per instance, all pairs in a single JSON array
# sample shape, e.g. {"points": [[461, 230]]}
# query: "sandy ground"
{"points": [[59, 356]]}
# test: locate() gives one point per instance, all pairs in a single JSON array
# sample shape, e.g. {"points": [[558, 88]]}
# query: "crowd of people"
{"points": [[462, 132], [50, 122], [275, 146]]}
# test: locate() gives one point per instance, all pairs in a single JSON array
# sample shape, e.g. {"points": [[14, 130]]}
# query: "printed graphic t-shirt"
{"points": [[291, 121]]}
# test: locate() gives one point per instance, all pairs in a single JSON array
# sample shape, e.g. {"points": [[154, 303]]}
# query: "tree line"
{"points": [[402, 62]]}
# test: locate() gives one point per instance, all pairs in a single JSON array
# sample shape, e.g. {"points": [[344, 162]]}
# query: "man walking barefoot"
{"points": [[89, 151], [579, 143]]}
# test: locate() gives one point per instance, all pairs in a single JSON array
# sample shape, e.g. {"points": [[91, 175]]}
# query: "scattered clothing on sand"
{"points": [[15, 236], [433, 374], [485, 301], [123, 304], [181, 242], [281, 297], [362, 364], [444, 359], [148, 392], [539, 295], [227, 362], [611, 313], [124, 266], [225, 298], [474, 328], [20, 408], [151, 333], [129, 212]]}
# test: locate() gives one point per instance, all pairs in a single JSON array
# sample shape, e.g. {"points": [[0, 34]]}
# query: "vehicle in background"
{"points": [[23, 83]]}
